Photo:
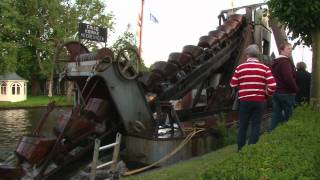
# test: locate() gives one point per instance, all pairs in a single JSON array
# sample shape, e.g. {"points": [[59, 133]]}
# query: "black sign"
{"points": [[94, 33]]}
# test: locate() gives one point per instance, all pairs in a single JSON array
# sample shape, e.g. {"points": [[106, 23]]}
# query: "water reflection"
{"points": [[16, 123], [13, 125]]}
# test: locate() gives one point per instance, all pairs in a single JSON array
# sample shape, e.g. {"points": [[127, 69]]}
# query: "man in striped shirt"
{"points": [[255, 82]]}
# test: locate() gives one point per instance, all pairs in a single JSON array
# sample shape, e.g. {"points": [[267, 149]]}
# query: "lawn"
{"points": [[189, 169], [289, 152], [36, 101]]}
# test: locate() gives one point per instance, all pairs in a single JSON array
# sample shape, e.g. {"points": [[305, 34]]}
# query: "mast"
{"points": [[141, 28]]}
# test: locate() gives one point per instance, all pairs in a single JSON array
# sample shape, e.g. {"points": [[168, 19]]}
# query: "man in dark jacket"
{"points": [[303, 81], [283, 99]]}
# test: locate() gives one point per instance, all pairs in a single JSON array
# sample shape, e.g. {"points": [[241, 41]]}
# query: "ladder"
{"points": [[97, 149]]}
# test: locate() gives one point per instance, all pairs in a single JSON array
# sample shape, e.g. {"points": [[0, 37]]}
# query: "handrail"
{"points": [[241, 7]]}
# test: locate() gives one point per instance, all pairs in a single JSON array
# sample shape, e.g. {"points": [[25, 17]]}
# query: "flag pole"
{"points": [[141, 27], [232, 3]]}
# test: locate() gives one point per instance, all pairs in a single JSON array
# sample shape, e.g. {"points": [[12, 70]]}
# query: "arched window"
{"points": [[15, 88], [4, 88], [18, 89]]}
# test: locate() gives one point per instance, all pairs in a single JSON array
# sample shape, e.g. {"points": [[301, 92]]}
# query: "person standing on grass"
{"points": [[255, 83], [283, 100], [303, 79]]}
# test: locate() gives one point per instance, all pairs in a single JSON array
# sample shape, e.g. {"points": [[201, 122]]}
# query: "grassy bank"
{"points": [[190, 169], [289, 152], [36, 101]]}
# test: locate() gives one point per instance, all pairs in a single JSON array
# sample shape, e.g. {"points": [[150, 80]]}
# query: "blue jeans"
{"points": [[249, 112], [282, 108]]}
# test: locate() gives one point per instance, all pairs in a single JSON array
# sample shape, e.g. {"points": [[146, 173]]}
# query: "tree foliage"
{"points": [[45, 25], [301, 17], [128, 40], [31, 32], [8, 45]]}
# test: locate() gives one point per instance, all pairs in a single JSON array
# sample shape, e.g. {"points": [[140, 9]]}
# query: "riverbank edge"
{"points": [[37, 102], [32, 107]]}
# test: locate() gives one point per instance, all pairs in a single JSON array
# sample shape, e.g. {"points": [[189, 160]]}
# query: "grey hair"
{"points": [[252, 50]]}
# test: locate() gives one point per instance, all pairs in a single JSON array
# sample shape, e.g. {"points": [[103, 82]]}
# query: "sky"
{"points": [[180, 23]]}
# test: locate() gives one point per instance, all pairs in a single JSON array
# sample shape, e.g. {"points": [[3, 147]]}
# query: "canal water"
{"points": [[16, 123]]}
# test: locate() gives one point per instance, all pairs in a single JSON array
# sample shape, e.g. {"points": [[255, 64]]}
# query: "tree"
{"points": [[40, 28], [129, 41], [8, 45], [301, 18]]}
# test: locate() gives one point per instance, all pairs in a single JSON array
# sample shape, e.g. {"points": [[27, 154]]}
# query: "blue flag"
{"points": [[153, 18]]}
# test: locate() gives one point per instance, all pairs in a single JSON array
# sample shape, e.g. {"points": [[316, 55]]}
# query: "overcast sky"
{"points": [[181, 22]]}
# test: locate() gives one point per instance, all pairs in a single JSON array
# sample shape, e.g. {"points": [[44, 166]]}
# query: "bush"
{"points": [[291, 151]]}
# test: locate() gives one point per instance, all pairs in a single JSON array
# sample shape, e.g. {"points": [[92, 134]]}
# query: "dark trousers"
{"points": [[250, 112], [282, 108]]}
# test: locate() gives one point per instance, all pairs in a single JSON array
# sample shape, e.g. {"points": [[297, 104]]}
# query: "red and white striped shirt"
{"points": [[254, 79]]}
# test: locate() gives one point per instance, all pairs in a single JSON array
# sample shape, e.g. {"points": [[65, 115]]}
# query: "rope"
{"points": [[181, 145]]}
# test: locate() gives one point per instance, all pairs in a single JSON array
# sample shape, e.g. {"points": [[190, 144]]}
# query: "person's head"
{"points": [[286, 49], [301, 66], [252, 51]]}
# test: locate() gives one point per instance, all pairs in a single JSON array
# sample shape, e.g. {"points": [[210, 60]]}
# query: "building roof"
{"points": [[11, 76]]}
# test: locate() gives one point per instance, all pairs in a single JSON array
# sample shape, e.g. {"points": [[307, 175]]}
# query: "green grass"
{"points": [[189, 169], [303, 127], [291, 151], [36, 101]]}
